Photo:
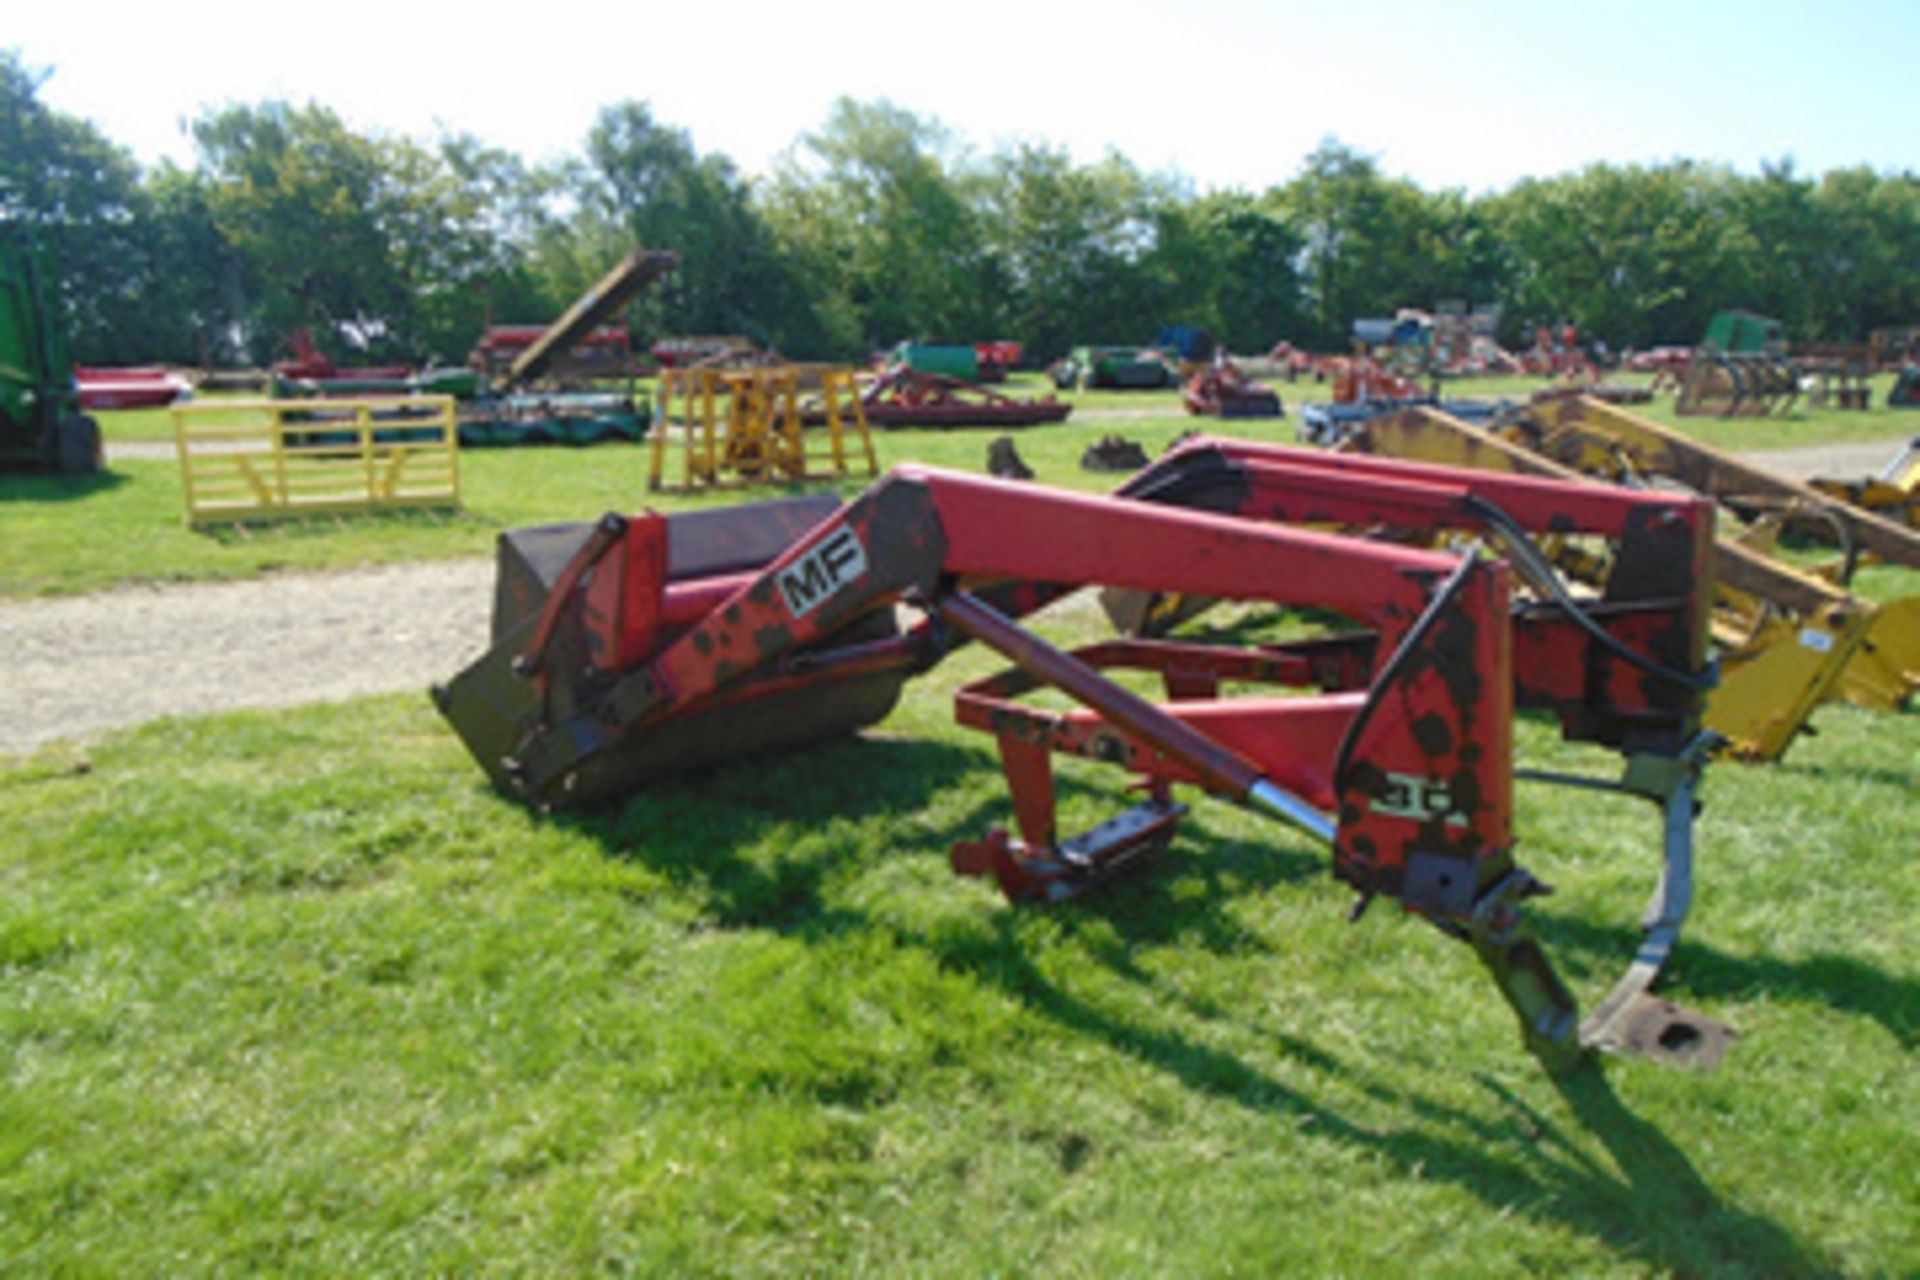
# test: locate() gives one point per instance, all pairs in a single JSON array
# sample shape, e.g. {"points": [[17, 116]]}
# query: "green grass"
{"points": [[124, 425], [128, 525], [297, 992], [1802, 426]]}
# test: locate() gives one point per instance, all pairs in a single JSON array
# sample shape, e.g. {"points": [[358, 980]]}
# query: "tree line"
{"points": [[882, 225]]}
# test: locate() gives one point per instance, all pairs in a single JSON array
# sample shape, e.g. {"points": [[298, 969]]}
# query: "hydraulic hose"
{"points": [[1539, 571], [1396, 663]]}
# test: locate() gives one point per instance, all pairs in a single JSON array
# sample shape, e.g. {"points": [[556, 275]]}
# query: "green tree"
{"points": [[1373, 244], [1631, 254], [80, 198], [1071, 245], [1228, 261], [377, 244], [1775, 244], [1869, 249], [646, 184], [882, 220], [299, 196], [515, 213], [194, 304]]}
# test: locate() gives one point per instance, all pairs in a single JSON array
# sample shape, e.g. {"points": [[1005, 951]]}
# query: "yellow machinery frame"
{"points": [[747, 426], [267, 459], [1600, 438], [1894, 493]]}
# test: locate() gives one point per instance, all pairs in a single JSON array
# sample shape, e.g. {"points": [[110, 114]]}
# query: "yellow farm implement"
{"points": [[752, 426], [1603, 440], [1788, 640], [1894, 493]]}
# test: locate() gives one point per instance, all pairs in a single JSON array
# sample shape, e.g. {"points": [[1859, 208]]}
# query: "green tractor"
{"points": [[1742, 333], [1114, 368], [41, 426]]}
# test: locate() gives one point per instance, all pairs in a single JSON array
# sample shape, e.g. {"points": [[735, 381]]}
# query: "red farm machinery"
{"points": [[637, 647], [906, 397], [1221, 390]]}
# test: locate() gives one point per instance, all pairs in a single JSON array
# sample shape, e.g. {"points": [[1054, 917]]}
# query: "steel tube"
{"points": [[1221, 769], [1291, 808]]}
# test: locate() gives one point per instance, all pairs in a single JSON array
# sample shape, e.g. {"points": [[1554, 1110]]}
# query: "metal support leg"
{"points": [[1506, 944], [1630, 1018]]}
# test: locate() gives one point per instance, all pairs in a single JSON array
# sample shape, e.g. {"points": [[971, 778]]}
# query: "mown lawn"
{"points": [[297, 992], [63, 537]]}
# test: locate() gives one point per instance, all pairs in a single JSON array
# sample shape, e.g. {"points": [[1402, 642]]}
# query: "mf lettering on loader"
{"points": [[820, 573], [641, 646]]}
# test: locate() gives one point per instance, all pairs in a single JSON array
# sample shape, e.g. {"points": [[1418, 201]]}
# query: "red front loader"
{"points": [[648, 645]]}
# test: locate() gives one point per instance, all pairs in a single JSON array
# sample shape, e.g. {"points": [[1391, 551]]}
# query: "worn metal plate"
{"points": [[1649, 1027]]}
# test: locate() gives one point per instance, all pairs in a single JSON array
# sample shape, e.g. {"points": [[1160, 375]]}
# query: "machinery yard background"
{"points": [[306, 969]]}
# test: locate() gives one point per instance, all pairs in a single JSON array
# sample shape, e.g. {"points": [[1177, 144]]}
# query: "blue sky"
{"points": [[1474, 94]]}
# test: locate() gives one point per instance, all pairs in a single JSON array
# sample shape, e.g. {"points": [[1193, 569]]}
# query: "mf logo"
{"points": [[811, 580]]}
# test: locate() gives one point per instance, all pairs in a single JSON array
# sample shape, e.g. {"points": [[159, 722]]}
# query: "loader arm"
{"points": [[1641, 681], [1627, 669], [931, 537], [1577, 425]]}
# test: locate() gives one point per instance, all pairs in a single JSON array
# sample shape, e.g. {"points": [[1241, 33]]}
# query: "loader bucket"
{"points": [[493, 706]]}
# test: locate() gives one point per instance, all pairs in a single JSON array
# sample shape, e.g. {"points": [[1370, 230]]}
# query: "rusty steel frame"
{"points": [[1736, 385], [907, 397], [612, 291]]}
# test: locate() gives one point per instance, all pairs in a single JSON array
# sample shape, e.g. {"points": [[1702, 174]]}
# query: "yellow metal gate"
{"points": [[260, 459]]}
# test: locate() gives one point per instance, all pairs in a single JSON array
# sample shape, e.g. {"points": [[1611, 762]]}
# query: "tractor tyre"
{"points": [[77, 448]]}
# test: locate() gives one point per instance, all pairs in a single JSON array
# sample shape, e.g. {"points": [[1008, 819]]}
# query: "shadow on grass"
{"points": [[49, 487], [1656, 1208], [1834, 981], [298, 528], [1902, 781], [692, 830], [1652, 1205]]}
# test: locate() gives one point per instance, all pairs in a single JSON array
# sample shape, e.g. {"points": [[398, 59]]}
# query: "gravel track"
{"points": [[1836, 461], [86, 664]]}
